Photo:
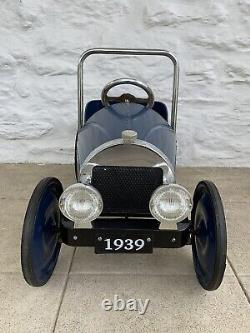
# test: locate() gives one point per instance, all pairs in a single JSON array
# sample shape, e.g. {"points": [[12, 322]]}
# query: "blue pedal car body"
{"points": [[125, 198]]}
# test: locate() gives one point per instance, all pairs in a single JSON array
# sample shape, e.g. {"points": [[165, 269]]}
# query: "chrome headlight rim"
{"points": [[160, 191], [82, 189]]}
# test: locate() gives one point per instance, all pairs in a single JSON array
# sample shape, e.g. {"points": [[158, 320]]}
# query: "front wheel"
{"points": [[209, 236], [40, 244]]}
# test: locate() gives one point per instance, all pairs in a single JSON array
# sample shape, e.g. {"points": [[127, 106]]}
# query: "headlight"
{"points": [[170, 203], [81, 203]]}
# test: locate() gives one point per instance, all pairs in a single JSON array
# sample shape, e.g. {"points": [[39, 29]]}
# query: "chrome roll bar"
{"points": [[128, 52]]}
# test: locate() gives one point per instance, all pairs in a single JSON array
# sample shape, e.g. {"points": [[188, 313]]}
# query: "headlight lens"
{"points": [[170, 203], [81, 203]]}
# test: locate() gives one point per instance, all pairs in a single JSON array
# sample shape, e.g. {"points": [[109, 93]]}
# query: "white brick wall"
{"points": [[40, 42]]}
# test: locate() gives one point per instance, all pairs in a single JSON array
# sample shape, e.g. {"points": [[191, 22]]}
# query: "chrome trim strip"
{"points": [[128, 52], [117, 142], [137, 142]]}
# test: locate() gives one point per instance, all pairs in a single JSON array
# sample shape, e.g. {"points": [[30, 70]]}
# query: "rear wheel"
{"points": [[40, 244], [209, 240]]}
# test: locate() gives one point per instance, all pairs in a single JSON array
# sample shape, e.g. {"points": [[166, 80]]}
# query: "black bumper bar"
{"points": [[161, 238]]}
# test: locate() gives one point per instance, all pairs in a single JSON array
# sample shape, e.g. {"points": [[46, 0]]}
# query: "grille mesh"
{"points": [[126, 190]]}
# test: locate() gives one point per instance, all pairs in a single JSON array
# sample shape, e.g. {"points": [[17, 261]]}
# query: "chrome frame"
{"points": [[128, 52]]}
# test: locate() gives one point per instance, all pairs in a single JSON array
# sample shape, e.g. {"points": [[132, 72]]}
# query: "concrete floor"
{"points": [[71, 301]]}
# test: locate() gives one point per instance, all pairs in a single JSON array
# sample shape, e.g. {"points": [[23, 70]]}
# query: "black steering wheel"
{"points": [[127, 97]]}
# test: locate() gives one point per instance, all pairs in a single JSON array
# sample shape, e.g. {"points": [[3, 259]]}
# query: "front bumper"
{"points": [[161, 238]]}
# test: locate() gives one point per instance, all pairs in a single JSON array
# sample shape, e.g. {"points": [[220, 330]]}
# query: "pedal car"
{"points": [[125, 198]]}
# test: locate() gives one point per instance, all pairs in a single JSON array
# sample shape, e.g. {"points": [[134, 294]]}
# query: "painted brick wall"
{"points": [[41, 41]]}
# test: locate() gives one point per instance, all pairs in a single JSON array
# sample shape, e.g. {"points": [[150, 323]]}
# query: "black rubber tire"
{"points": [[209, 238], [40, 245]]}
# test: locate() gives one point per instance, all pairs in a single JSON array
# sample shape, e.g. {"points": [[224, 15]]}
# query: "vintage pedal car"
{"points": [[125, 198]]}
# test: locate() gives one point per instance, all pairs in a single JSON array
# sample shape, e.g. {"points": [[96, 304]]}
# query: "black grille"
{"points": [[126, 190]]}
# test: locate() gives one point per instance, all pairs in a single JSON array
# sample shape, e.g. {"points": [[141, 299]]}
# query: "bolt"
{"points": [[99, 239], [173, 240], [148, 240], [75, 237]]}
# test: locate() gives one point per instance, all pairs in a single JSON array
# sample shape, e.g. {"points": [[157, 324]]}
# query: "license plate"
{"points": [[125, 241]]}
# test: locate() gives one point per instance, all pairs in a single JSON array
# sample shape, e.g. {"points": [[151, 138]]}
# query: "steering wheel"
{"points": [[127, 97]]}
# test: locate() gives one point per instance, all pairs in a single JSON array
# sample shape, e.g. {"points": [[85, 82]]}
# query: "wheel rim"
{"points": [[45, 243], [205, 246], [209, 241]]}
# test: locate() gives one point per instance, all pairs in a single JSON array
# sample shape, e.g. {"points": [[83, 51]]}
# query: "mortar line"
{"points": [[64, 291], [239, 281]]}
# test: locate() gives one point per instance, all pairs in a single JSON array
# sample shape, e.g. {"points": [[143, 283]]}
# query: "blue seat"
{"points": [[96, 105]]}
